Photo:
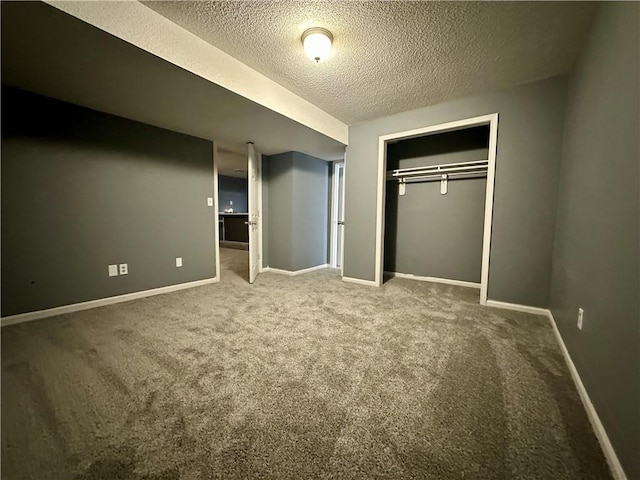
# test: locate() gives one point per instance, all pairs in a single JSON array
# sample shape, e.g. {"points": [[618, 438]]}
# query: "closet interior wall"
{"points": [[427, 233]]}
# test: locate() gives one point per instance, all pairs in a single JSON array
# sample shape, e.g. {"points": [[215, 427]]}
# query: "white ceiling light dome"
{"points": [[317, 43]]}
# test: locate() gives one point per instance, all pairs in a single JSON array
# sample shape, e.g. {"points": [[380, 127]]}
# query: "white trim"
{"points": [[411, 276], [488, 208], [76, 307], [293, 273], [612, 459], [333, 229], [359, 281], [216, 227], [253, 188], [260, 239], [517, 307], [344, 201], [492, 121], [335, 193], [380, 200]]}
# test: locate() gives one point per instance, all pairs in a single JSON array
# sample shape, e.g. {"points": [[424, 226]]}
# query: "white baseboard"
{"points": [[359, 281], [518, 308], [293, 273], [612, 459], [411, 276], [76, 307]]}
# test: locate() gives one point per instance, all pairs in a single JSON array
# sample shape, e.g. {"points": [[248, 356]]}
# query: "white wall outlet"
{"points": [[580, 317], [113, 270], [231, 202], [124, 269], [178, 261], [209, 201]]}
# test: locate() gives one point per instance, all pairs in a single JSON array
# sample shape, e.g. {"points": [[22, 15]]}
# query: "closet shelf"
{"points": [[478, 166], [441, 172]]}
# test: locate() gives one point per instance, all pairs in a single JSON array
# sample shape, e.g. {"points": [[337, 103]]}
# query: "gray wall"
{"points": [[232, 189], [82, 190], [529, 144], [295, 203], [596, 248], [310, 207], [427, 233], [277, 179]]}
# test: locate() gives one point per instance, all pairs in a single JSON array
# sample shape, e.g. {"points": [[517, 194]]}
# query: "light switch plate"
{"points": [[580, 317], [113, 270], [178, 261], [209, 201], [124, 269]]}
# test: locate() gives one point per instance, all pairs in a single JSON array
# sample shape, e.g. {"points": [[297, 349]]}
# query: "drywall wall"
{"points": [[82, 190], [528, 154], [277, 178], [596, 249], [310, 208], [295, 203], [427, 233], [232, 193]]}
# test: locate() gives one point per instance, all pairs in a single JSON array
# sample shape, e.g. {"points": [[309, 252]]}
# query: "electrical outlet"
{"points": [[178, 261], [580, 317], [209, 201], [124, 269], [113, 270]]}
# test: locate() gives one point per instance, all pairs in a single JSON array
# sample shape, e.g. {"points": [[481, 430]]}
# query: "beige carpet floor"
{"points": [[301, 377]]}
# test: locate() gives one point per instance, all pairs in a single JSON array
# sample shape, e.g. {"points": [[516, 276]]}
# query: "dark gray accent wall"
{"points": [[529, 144], [233, 193], [596, 256], [427, 233], [82, 190], [310, 208], [264, 261], [278, 177], [296, 188]]}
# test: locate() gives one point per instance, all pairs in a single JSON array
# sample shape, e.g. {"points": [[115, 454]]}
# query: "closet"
{"points": [[435, 205]]}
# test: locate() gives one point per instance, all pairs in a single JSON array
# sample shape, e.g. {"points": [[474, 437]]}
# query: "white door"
{"points": [[253, 178], [340, 221], [337, 215]]}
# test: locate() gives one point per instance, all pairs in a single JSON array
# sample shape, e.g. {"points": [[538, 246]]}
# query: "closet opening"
{"points": [[435, 203]]}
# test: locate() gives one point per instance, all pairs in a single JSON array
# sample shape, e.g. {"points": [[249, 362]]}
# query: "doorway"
{"points": [[337, 215], [237, 212], [491, 121]]}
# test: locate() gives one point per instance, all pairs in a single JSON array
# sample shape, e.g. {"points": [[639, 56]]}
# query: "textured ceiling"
{"points": [[392, 56]]}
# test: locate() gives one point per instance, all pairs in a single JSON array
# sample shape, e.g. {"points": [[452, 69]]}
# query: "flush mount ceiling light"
{"points": [[317, 43]]}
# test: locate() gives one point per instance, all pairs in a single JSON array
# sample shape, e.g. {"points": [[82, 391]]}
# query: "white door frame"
{"points": [[344, 201], [260, 224], [333, 261], [492, 121], [216, 227], [254, 213], [217, 211]]}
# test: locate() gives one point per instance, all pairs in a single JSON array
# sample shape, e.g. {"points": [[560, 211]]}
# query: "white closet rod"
{"points": [[427, 178], [477, 166], [459, 164]]}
